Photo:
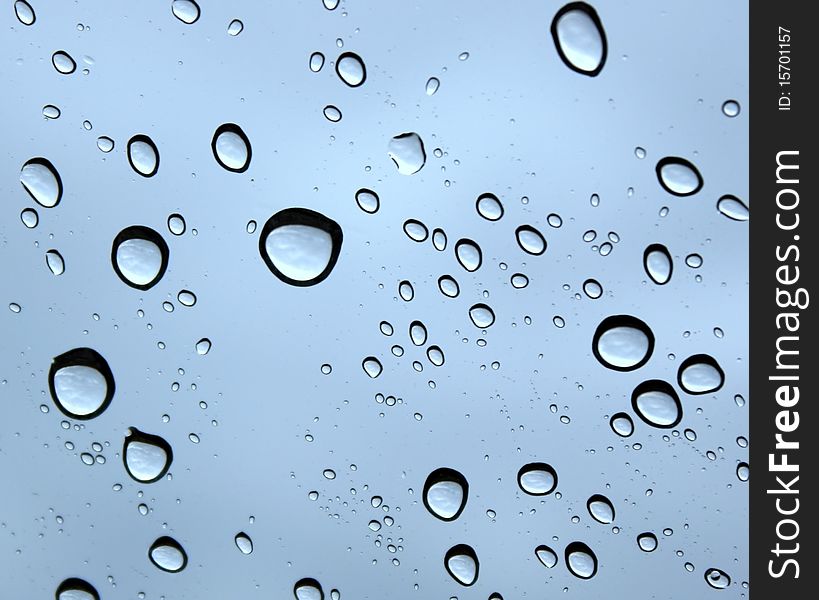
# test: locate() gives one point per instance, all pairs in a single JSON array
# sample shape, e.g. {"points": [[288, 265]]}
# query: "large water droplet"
{"points": [[74, 588], [176, 224], [489, 207], [678, 176], [733, 208], [445, 493], [308, 589], [167, 554], [700, 374], [623, 343], [448, 286], [482, 316], [300, 246], [42, 182], [350, 69], [406, 291], [63, 62], [203, 346], [81, 383], [592, 288], [717, 579], [367, 201], [546, 556], [519, 281], [435, 355], [407, 152], [51, 112], [418, 333], [581, 561], [621, 424], [432, 86], [186, 11], [147, 457], [530, 240], [537, 479], [139, 256], [231, 148], [600, 508], [372, 366], [55, 262], [316, 62], [656, 403], [658, 264], [461, 563], [235, 27], [415, 230], [647, 542], [243, 543], [579, 38], [468, 254], [143, 155], [105, 144]]}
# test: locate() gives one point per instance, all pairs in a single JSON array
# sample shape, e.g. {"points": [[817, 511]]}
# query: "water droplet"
{"points": [[590, 235], [700, 374], [647, 541], [717, 579], [251, 226], [139, 256], [621, 424], [316, 62], [51, 112], [75, 588], [439, 239], [186, 11], [308, 588], [300, 246], [678, 176], [623, 343], [581, 561], [203, 346], [167, 554], [432, 85], [235, 27], [42, 182], [243, 543], [231, 148], [546, 556], [372, 366], [350, 69], [418, 333], [55, 262], [733, 208], [176, 224], [489, 207], [579, 38], [186, 298], [435, 355], [415, 230], [468, 254], [14, 307], [592, 288], [81, 383], [25, 14], [386, 328], [605, 249], [329, 474], [448, 286], [743, 471], [461, 563], [445, 493], [407, 152], [730, 108], [406, 291], [658, 264], [330, 4], [537, 479], [694, 261], [63, 62], [463, 56], [600, 508], [367, 200], [519, 281], [332, 114], [530, 240], [143, 155], [640, 152], [482, 316], [554, 220], [30, 218], [656, 403], [105, 144], [147, 457]]}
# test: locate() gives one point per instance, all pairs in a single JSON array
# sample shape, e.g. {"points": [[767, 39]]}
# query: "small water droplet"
{"points": [[592, 288], [186, 11], [167, 554], [139, 256], [730, 108], [537, 479], [656, 403], [678, 176], [623, 343], [435, 355], [700, 374], [489, 207], [461, 563], [30, 218], [415, 230], [203, 346], [580, 560], [63, 62], [316, 62], [579, 38], [468, 254], [235, 27], [658, 264], [51, 112], [81, 383], [733, 208], [621, 424], [694, 261], [176, 224], [432, 86], [231, 148], [186, 298], [647, 541], [332, 114], [42, 182], [55, 262], [600, 508], [482, 316], [372, 366], [143, 155], [243, 542], [640, 152], [439, 240], [546, 556], [25, 14], [406, 151], [448, 286], [418, 333], [519, 281], [406, 291], [105, 144], [743, 471], [445, 493], [530, 240], [147, 457], [717, 579], [350, 69]]}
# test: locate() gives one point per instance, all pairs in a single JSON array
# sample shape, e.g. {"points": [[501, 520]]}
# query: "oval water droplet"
{"points": [[461, 563], [445, 493], [186, 11], [743, 471], [700, 374], [316, 62], [176, 224], [580, 560], [42, 182], [546, 556], [235, 27], [63, 62], [439, 239], [51, 112], [418, 333], [231, 148], [167, 554], [186, 298], [300, 246], [482, 316], [592, 288], [694, 261], [733, 208], [81, 383], [468, 254], [554, 220], [415, 230], [367, 201], [647, 542], [489, 207], [147, 457], [579, 38], [656, 403], [658, 264], [537, 479], [105, 144], [406, 291], [243, 543], [730, 108], [332, 113], [623, 343], [717, 579], [372, 366], [308, 589], [330, 4], [600, 508], [621, 424], [432, 86], [350, 69], [30, 218], [24, 12], [530, 240], [143, 155], [407, 153], [139, 256], [75, 588], [435, 355], [519, 281], [448, 286], [678, 176], [55, 262], [203, 346]]}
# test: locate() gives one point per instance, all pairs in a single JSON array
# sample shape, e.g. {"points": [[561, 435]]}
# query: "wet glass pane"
{"points": [[336, 299]]}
